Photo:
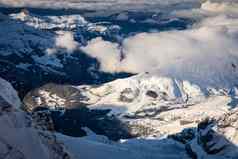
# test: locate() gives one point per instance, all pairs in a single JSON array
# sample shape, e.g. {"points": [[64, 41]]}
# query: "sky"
{"points": [[91, 4]]}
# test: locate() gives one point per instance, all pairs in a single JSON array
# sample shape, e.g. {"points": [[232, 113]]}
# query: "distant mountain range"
{"points": [[138, 80]]}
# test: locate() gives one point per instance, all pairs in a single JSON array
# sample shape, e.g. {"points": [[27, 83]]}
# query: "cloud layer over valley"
{"points": [[206, 52], [91, 4]]}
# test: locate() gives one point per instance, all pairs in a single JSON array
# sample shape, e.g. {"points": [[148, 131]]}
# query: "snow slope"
{"points": [[8, 94], [184, 78], [19, 138], [150, 105], [133, 149], [170, 118], [210, 140], [163, 105]]}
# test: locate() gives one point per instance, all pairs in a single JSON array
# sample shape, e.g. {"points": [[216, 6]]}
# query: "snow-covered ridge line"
{"points": [[142, 90], [65, 22], [50, 22]]}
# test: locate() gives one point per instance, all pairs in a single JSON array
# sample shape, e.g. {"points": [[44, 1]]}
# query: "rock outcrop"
{"points": [[212, 138], [55, 97], [20, 138]]}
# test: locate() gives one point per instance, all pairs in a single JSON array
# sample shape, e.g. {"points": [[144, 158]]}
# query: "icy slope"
{"points": [[193, 76], [162, 105], [150, 105], [169, 117], [210, 139], [19, 137], [148, 88], [133, 149], [9, 95]]}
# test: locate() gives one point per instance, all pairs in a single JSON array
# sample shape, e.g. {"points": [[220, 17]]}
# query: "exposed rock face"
{"points": [[148, 107], [54, 96], [228, 126], [219, 136], [42, 120], [151, 94], [70, 114], [72, 122], [128, 95], [19, 137], [213, 138]]}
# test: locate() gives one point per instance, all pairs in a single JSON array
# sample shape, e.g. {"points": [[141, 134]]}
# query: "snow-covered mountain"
{"points": [[45, 50], [170, 119], [20, 136], [160, 105], [137, 80], [201, 142]]}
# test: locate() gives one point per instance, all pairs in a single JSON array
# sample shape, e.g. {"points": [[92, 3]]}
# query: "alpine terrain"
{"points": [[119, 79]]}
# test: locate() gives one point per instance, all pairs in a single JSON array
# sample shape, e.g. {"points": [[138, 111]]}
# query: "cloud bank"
{"points": [[66, 41], [225, 6], [207, 51], [106, 52], [93, 4]]}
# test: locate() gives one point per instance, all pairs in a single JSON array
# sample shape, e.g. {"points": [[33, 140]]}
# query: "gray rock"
{"points": [[21, 137], [54, 96]]}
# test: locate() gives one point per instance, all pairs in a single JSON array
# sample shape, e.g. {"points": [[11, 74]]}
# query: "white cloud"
{"points": [[208, 9], [208, 52], [225, 6], [93, 4], [117, 4], [66, 41], [63, 40], [106, 52]]}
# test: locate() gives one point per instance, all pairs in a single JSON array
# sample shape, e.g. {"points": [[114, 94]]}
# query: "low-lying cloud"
{"points": [[106, 52], [63, 41], [225, 6], [94, 4], [206, 52], [66, 41]]}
